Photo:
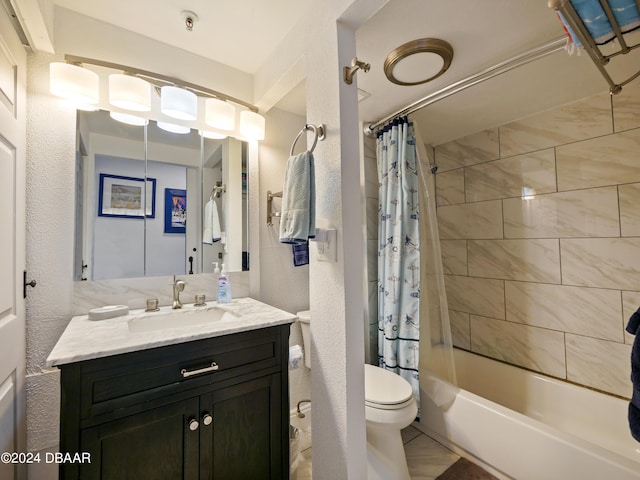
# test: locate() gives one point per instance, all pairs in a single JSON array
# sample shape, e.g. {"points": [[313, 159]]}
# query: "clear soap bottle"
{"points": [[224, 288]]}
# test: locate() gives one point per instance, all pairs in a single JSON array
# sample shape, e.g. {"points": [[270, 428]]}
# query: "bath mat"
{"points": [[463, 469]]}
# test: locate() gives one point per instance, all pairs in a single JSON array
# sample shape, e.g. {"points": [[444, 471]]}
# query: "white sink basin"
{"points": [[188, 316]]}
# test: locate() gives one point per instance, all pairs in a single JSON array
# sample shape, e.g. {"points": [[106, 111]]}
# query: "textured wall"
{"points": [[541, 239], [281, 284], [50, 222]]}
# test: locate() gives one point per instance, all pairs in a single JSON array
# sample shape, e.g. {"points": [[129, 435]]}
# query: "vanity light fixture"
{"points": [[178, 103], [129, 119], [418, 61], [252, 125], [74, 83], [219, 114], [173, 128], [128, 91]]}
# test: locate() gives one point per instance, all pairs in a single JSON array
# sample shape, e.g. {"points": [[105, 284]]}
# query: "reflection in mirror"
{"points": [[225, 205], [128, 227]]}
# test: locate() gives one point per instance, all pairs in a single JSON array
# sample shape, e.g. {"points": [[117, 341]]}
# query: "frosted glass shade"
{"points": [[173, 128], [220, 114], [178, 103], [128, 119], [129, 93], [74, 83], [252, 125], [212, 135]]}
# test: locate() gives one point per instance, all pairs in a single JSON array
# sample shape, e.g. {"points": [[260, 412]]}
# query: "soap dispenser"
{"points": [[224, 288]]}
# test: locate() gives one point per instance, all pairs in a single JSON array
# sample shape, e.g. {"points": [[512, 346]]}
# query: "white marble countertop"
{"points": [[85, 339]]}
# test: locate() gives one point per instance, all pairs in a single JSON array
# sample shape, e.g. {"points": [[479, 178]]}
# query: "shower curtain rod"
{"points": [[486, 74]]}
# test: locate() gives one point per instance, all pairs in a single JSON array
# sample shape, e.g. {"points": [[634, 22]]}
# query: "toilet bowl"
{"points": [[389, 407]]}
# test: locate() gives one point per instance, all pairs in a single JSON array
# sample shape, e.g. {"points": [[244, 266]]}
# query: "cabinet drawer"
{"points": [[124, 380]]}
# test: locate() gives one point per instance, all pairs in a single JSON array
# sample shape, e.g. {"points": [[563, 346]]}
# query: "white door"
{"points": [[12, 246]]}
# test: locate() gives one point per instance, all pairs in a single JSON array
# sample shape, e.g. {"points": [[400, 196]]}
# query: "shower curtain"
{"points": [[413, 311], [398, 252]]}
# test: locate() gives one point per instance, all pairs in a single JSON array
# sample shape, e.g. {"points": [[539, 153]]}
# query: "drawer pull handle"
{"points": [[193, 425], [188, 373], [207, 420]]}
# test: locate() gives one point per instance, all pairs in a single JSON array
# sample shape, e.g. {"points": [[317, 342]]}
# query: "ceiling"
{"points": [[481, 32]]}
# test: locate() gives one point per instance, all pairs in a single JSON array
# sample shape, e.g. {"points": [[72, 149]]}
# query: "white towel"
{"points": [[211, 229], [298, 216]]}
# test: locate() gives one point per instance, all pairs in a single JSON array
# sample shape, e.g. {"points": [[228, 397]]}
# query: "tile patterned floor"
{"points": [[426, 458]]}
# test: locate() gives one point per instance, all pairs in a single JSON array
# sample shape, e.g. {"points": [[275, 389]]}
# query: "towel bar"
{"points": [[270, 213], [594, 51], [318, 131]]}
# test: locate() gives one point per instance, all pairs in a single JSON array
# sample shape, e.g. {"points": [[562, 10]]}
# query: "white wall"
{"points": [[281, 284]]}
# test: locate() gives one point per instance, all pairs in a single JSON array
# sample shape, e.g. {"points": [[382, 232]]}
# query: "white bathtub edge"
{"points": [[508, 443]]}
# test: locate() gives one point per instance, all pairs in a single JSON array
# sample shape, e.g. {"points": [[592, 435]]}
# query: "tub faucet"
{"points": [[178, 286]]}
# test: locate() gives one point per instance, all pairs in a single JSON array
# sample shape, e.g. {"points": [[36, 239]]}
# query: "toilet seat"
{"points": [[385, 390]]}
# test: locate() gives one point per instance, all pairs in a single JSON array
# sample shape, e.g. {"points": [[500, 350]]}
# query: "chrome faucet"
{"points": [[178, 286]]}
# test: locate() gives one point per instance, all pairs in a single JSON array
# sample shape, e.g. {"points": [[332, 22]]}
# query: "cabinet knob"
{"points": [[193, 424], [207, 419]]}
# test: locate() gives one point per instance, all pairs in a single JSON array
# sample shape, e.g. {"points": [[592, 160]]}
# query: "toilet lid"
{"points": [[382, 387]]}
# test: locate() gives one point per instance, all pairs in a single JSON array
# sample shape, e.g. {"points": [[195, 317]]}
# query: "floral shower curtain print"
{"points": [[398, 252]]}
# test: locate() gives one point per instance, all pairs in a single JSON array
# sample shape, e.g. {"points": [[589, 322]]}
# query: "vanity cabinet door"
{"points": [[244, 439], [158, 443]]}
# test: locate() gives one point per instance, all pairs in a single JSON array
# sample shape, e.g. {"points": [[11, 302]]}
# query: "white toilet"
{"points": [[389, 407]]}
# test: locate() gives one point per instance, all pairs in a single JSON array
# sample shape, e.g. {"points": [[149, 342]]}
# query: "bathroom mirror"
{"points": [[141, 193]]}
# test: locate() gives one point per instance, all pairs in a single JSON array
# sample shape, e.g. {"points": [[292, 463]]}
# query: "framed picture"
{"points": [[126, 197], [175, 210]]}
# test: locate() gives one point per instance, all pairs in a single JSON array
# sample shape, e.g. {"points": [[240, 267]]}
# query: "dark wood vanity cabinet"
{"points": [[209, 409]]}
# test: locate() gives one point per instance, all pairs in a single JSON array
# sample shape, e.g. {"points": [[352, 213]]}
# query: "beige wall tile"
{"points": [[599, 364], [630, 303], [509, 176], [581, 213], [372, 259], [597, 162], [370, 177], [629, 211], [477, 148], [626, 108], [450, 187], [601, 262], [454, 256], [372, 214], [460, 329], [529, 347], [569, 123], [472, 220], [525, 260], [481, 296], [585, 311]]}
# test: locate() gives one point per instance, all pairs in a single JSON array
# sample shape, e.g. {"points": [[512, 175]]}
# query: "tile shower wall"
{"points": [[540, 231], [370, 174]]}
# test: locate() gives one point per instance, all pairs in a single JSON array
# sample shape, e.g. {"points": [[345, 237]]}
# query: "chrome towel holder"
{"points": [[318, 131]]}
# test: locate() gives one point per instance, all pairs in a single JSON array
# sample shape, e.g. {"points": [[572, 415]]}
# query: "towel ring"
{"points": [[318, 132]]}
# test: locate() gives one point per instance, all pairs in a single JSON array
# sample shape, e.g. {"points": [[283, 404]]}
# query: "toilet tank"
{"points": [[305, 319]]}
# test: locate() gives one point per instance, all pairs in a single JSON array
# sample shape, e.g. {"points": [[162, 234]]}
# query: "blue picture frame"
{"points": [[175, 210], [124, 197]]}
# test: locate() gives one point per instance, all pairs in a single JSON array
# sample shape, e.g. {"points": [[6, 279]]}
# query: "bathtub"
{"points": [[525, 426]]}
